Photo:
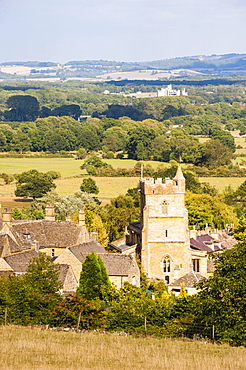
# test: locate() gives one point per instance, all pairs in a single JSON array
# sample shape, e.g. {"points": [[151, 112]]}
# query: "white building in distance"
{"points": [[168, 91]]}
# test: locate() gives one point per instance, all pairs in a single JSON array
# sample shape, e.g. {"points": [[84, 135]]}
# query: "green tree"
{"points": [[221, 300], [29, 299], [89, 186], [139, 145], [7, 178], [93, 278], [72, 110], [205, 209], [42, 275], [22, 108], [81, 153], [33, 184], [214, 154], [94, 223], [20, 142]]}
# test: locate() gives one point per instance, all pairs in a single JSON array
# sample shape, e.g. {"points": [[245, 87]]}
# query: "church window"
{"points": [[166, 264], [52, 252], [164, 207], [166, 233], [167, 279], [196, 265]]}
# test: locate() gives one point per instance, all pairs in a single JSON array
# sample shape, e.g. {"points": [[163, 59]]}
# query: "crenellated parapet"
{"points": [[160, 187]]}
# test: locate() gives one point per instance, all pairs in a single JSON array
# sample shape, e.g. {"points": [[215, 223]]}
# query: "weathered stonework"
{"points": [[165, 249]]}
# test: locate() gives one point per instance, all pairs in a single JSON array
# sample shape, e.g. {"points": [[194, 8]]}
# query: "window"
{"points": [[196, 265], [166, 233], [164, 207], [166, 264], [167, 279], [52, 253], [28, 236]]}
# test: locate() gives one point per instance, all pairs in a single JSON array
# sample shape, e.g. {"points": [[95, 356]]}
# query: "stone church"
{"points": [[168, 250]]}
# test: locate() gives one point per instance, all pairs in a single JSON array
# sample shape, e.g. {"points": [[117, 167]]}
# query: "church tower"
{"points": [[164, 236]]}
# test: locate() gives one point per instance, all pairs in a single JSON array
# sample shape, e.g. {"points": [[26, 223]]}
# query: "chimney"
{"points": [[35, 245], [50, 212], [81, 217], [94, 236], [7, 216], [193, 234]]}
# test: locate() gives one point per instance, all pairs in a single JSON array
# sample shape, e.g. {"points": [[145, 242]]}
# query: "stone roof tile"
{"points": [[189, 279]]}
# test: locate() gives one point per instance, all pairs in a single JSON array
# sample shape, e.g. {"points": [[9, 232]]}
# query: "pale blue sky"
{"points": [[121, 30]]}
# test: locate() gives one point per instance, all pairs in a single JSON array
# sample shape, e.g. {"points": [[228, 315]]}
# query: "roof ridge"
{"points": [[13, 254]]}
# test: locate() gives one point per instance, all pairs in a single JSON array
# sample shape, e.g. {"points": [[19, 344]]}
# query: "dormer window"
{"points": [[28, 237]]}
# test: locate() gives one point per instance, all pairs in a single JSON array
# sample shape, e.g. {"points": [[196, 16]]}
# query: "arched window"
{"points": [[166, 264], [164, 207]]}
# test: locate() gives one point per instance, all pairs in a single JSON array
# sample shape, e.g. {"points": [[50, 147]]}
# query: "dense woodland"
{"points": [[47, 118]]}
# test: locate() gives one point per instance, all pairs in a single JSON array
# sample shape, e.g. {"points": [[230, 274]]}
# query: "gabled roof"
{"points": [[226, 240], [4, 266], [86, 248], [189, 279], [199, 245], [20, 261], [46, 233], [116, 264], [63, 270], [6, 242]]}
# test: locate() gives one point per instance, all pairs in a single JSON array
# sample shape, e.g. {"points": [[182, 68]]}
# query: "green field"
{"points": [[35, 349], [66, 166], [222, 182], [110, 187]]}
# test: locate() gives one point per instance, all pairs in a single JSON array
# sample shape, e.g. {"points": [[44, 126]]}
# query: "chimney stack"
{"points": [[7, 216], [50, 212], [81, 217]]}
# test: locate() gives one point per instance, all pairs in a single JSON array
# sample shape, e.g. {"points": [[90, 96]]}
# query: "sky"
{"points": [[119, 30]]}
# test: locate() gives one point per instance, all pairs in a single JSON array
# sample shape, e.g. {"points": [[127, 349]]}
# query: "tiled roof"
{"points": [[20, 261], [189, 279], [4, 266], [7, 241], [116, 264], [63, 270], [46, 233], [226, 240], [205, 238], [199, 245], [86, 248]]}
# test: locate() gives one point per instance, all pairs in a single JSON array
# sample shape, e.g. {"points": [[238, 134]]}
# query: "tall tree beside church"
{"points": [[93, 278]]}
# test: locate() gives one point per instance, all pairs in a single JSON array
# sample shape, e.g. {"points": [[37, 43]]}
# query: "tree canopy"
{"points": [[33, 184], [93, 278]]}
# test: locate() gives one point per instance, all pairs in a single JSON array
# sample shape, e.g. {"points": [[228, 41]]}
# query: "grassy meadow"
{"points": [[28, 349], [72, 176]]}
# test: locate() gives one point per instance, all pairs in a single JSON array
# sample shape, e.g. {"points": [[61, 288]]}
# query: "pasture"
{"points": [[72, 176], [32, 348]]}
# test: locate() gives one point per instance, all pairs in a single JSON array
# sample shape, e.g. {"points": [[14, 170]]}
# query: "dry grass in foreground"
{"points": [[24, 348]]}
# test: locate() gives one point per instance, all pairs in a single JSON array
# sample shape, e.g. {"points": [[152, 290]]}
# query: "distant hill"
{"points": [[228, 64]]}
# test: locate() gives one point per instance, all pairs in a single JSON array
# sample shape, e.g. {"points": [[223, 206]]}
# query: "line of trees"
{"points": [[34, 299]]}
